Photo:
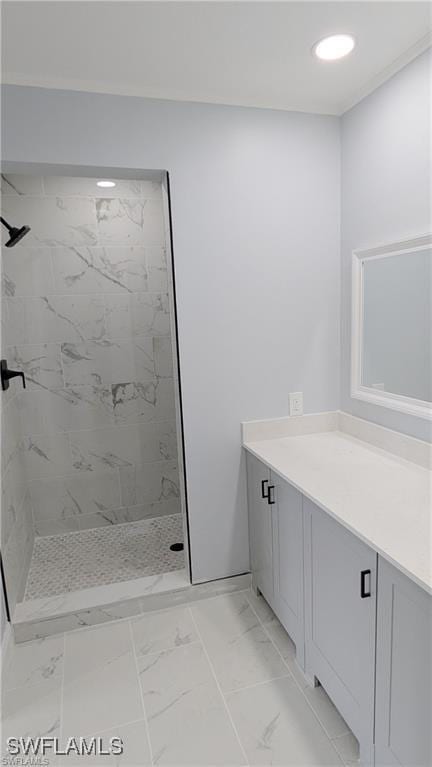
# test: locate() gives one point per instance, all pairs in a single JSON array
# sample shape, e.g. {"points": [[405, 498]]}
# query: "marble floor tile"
{"points": [[188, 721], [166, 630], [277, 727], [326, 712], [136, 749], [287, 649], [31, 711], [28, 664], [240, 650], [101, 687], [348, 749]]}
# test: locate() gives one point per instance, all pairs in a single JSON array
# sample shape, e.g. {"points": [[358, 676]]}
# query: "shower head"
{"points": [[15, 234]]}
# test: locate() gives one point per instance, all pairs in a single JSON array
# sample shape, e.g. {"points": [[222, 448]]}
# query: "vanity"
{"points": [[340, 528]]}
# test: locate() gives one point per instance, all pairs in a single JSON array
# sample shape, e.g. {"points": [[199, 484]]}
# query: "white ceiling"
{"points": [[245, 53]]}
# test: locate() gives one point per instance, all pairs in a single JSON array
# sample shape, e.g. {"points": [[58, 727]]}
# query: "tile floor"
{"points": [[213, 683], [97, 557]]}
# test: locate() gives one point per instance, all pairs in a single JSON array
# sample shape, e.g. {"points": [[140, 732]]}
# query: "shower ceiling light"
{"points": [[334, 47], [106, 184]]}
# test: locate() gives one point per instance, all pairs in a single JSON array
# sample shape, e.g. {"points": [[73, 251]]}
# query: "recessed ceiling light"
{"points": [[334, 47], [106, 184]]}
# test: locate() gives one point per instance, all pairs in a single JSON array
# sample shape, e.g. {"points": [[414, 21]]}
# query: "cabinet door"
{"points": [[404, 671], [288, 562], [260, 526], [340, 620]]}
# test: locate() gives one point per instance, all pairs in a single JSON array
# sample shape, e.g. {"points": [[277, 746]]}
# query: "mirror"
{"points": [[391, 328]]}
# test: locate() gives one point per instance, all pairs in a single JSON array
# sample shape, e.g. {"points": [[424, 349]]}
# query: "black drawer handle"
{"points": [[270, 497], [363, 576], [264, 494]]}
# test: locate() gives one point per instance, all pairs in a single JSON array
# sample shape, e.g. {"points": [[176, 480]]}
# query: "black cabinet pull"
{"points": [[6, 374], [270, 497], [363, 576], [264, 494]]}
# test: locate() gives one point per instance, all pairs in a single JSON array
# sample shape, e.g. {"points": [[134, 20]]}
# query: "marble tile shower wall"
{"points": [[87, 320]]}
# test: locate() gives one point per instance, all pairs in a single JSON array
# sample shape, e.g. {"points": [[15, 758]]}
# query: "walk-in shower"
{"points": [[93, 507]]}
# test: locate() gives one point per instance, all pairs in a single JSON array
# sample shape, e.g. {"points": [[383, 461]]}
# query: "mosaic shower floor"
{"points": [[74, 561]]}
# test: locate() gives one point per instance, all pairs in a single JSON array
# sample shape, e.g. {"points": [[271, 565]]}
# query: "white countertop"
{"points": [[383, 499]]}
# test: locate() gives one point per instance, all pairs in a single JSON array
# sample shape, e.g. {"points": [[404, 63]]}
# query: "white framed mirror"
{"points": [[391, 339]]}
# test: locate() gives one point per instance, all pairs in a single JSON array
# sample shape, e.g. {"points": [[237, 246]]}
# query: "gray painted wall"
{"points": [[256, 201], [386, 196]]}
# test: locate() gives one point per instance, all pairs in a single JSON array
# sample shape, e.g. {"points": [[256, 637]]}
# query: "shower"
{"points": [[15, 234]]}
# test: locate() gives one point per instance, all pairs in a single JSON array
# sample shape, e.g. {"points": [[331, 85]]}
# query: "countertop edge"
{"points": [[285, 476]]}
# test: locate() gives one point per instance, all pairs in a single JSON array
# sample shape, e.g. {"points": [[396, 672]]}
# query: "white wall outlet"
{"points": [[296, 403]]}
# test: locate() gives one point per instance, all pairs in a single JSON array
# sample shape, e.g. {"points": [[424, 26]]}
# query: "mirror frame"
{"points": [[404, 404]]}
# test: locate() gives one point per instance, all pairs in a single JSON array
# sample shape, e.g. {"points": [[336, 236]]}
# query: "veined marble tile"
{"points": [[80, 407], [152, 190], [43, 527], [40, 363], [17, 554], [99, 362], [48, 319], [28, 273], [136, 751], [79, 186], [108, 448], [150, 314], [53, 220], [126, 514], [17, 184], [158, 441], [163, 356], [156, 256], [277, 727], [11, 432], [101, 688], [326, 712], [163, 631], [287, 648], [157, 279], [348, 749], [241, 652], [150, 482], [188, 723], [143, 402], [13, 488], [47, 455], [32, 711], [99, 270], [130, 222], [78, 495], [32, 663]]}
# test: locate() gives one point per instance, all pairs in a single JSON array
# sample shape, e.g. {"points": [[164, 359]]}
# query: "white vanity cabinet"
{"points": [[340, 585], [361, 627], [403, 727], [260, 527]]}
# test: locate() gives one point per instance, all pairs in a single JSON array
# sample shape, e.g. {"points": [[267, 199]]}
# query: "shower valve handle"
{"points": [[6, 374]]}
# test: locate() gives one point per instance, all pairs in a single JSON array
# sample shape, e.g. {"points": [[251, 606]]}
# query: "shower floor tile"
{"points": [[73, 561]]}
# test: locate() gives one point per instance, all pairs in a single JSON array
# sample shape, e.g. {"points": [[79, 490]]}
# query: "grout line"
{"points": [[301, 689], [219, 687], [147, 729]]}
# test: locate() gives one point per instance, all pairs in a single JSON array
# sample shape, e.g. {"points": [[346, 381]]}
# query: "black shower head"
{"points": [[15, 234]]}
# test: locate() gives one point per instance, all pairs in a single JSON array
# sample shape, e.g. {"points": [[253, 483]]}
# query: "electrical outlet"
{"points": [[296, 403]]}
